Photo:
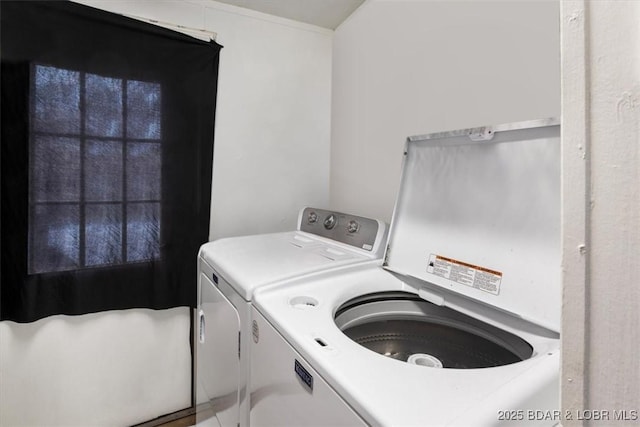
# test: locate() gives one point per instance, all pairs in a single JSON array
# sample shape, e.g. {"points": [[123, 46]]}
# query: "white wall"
{"points": [[407, 67], [273, 122], [113, 368], [601, 208], [272, 149]]}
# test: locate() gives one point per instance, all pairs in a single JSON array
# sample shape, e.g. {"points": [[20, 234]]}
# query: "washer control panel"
{"points": [[350, 229]]}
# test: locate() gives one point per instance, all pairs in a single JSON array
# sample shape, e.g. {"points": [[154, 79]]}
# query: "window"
{"points": [[105, 163], [95, 174]]}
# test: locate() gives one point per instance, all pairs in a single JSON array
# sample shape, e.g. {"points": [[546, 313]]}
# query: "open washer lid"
{"points": [[478, 213]]}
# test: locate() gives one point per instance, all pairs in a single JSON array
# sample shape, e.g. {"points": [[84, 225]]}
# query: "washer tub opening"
{"points": [[402, 326]]}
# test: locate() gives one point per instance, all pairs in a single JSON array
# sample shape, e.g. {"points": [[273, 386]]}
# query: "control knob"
{"points": [[353, 226], [312, 218], [330, 222]]}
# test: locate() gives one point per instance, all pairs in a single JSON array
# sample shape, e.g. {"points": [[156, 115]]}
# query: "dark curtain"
{"points": [[107, 149]]}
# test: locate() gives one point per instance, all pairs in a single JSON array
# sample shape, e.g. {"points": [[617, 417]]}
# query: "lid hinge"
{"points": [[481, 134], [430, 296], [386, 256]]}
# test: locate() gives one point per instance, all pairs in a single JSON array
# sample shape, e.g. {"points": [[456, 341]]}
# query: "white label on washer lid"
{"points": [[463, 273]]}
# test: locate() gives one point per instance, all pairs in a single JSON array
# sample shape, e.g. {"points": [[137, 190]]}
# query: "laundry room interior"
{"points": [[322, 113]]}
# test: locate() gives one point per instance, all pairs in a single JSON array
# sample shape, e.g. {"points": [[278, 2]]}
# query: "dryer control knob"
{"points": [[330, 222], [312, 218], [353, 226]]}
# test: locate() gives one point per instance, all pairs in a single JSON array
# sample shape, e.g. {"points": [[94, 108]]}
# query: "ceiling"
{"points": [[323, 13]]}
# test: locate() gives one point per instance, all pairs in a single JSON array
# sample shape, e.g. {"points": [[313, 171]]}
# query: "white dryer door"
{"points": [[218, 361]]}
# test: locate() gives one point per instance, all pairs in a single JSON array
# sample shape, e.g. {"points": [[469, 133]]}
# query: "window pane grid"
{"points": [[125, 132], [97, 138], [113, 215], [88, 202], [83, 141]]}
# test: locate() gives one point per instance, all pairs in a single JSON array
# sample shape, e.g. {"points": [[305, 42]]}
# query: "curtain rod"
{"points": [[193, 32]]}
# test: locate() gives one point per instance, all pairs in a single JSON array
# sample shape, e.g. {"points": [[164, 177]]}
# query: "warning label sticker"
{"points": [[466, 274]]}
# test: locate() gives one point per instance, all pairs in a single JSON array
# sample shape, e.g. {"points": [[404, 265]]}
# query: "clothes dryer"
{"points": [[231, 269], [459, 326]]}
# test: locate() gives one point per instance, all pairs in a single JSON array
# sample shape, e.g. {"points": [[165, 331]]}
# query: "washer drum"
{"points": [[404, 327]]}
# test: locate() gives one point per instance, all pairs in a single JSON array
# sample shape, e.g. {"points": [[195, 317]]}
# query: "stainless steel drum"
{"points": [[405, 327]]}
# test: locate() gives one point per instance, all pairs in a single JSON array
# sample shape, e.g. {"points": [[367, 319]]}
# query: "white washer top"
{"points": [[249, 262], [327, 240], [390, 392]]}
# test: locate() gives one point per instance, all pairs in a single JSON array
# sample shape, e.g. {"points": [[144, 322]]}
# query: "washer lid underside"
{"points": [[482, 217]]}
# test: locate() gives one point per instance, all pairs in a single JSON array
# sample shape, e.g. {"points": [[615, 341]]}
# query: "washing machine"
{"points": [[231, 269], [459, 326]]}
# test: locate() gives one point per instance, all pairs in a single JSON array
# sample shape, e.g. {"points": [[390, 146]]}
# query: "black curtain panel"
{"points": [[107, 150]]}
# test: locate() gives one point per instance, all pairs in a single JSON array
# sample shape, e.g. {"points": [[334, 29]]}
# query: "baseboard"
{"points": [[167, 418]]}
